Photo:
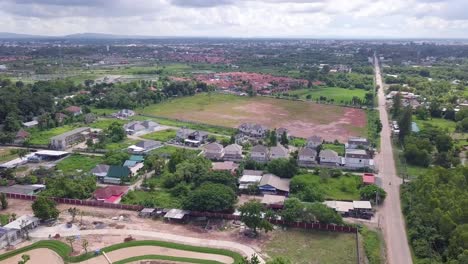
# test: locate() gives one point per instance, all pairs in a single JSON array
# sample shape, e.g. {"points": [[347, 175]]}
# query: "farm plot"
{"points": [[303, 119]]}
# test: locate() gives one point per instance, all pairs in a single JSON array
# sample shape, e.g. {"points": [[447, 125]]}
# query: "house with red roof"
{"points": [[21, 136], [75, 110], [368, 178], [110, 194]]}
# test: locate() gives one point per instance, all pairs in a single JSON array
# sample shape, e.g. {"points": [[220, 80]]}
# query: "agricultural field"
{"points": [[339, 95], [163, 135], [301, 118], [340, 188], [78, 162], [312, 247]]}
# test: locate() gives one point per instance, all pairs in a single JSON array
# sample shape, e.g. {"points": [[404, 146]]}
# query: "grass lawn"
{"points": [[42, 137], [297, 142], [341, 188], [339, 95], [414, 171], [163, 135], [159, 198], [438, 122], [230, 111], [121, 144], [104, 123], [312, 247], [339, 148], [78, 162], [5, 155], [167, 151]]}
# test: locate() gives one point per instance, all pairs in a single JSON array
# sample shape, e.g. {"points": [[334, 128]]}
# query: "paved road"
{"points": [[43, 232], [392, 221]]}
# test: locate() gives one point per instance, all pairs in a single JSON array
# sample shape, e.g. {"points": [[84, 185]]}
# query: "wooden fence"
{"points": [[100, 204]]}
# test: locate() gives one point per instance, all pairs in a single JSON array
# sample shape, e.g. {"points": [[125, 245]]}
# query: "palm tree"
{"points": [[24, 258]]}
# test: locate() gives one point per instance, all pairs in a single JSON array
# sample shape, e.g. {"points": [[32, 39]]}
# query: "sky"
{"points": [[240, 18]]}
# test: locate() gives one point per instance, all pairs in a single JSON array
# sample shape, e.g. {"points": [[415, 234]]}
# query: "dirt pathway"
{"points": [[43, 255], [393, 224]]}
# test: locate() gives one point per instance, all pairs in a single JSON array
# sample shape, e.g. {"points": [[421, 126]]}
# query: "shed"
{"points": [[176, 214], [147, 212]]}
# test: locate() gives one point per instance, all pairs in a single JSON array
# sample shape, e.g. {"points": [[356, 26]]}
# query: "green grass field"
{"points": [[104, 123], [4, 219], [339, 148], [312, 247], [449, 125], [78, 162], [42, 137], [339, 95], [163, 135], [121, 144], [167, 151], [230, 111], [159, 198], [341, 188], [6, 155]]}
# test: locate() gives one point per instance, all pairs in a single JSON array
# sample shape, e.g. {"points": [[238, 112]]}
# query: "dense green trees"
{"points": [[435, 205], [78, 187], [252, 216], [44, 208], [284, 168], [294, 210], [212, 197], [373, 193]]}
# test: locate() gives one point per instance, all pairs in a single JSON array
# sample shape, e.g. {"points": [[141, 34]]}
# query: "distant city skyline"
{"points": [[239, 18]]}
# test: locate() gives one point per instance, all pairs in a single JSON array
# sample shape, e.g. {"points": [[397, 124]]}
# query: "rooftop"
{"points": [[70, 133]]}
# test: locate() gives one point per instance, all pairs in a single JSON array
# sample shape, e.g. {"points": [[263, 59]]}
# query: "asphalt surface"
{"points": [[392, 222]]}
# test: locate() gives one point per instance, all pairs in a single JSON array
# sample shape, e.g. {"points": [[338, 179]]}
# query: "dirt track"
{"points": [[393, 224], [43, 255]]}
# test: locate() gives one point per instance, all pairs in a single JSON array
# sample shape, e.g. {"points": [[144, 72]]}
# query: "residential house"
{"points": [[360, 209], [280, 131], [67, 139], [21, 136], [100, 171], [314, 141], [26, 189], [253, 130], [358, 158], [307, 157], [110, 194], [138, 127], [279, 152], [358, 143], [137, 158], [213, 151], [260, 153], [273, 184], [273, 201], [116, 173], [233, 152], [190, 136], [250, 177], [329, 157], [31, 124], [124, 113], [225, 166], [134, 166], [16, 229], [74, 110], [144, 146]]}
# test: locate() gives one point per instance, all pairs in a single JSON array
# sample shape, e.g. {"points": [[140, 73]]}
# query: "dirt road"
{"points": [[393, 224]]}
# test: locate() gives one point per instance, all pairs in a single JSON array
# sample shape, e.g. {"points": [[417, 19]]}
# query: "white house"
{"points": [[260, 153], [358, 158], [278, 152], [314, 141], [307, 157], [233, 152], [329, 157]]}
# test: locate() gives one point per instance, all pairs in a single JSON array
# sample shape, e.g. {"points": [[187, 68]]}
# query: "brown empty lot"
{"points": [[303, 119]]}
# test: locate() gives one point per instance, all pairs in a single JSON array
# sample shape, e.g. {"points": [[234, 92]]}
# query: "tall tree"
{"points": [[44, 208], [252, 216], [405, 123]]}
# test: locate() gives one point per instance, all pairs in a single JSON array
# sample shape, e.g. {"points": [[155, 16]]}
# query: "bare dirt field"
{"points": [[303, 119]]}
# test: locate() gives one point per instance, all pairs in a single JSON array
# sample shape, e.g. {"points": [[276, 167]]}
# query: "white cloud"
{"points": [[243, 18]]}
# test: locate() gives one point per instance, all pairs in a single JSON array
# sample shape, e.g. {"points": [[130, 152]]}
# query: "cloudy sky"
{"points": [[239, 18]]}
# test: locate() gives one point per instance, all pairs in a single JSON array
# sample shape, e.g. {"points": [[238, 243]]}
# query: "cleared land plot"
{"points": [[41, 137], [312, 247], [159, 198], [163, 135], [6, 155], [438, 122], [339, 95], [77, 162], [341, 188], [302, 118]]}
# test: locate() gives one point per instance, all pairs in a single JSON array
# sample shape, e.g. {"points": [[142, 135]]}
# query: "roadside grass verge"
{"points": [[78, 162], [63, 250], [169, 258], [163, 135], [373, 245]]}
